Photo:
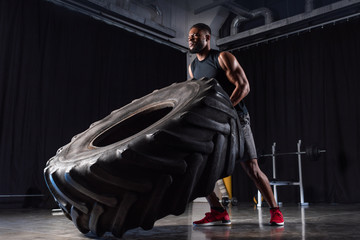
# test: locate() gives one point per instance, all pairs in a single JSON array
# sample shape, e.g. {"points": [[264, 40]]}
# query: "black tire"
{"points": [[147, 159]]}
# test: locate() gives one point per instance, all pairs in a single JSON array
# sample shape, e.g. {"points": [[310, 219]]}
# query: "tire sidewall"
{"points": [[81, 147]]}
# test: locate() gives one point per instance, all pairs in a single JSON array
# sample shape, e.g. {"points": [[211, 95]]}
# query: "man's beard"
{"points": [[198, 47]]}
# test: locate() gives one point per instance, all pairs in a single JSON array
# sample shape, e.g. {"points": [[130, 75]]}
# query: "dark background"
{"points": [[307, 87], [60, 71]]}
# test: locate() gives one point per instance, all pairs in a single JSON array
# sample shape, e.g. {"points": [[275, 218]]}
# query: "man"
{"points": [[224, 67]]}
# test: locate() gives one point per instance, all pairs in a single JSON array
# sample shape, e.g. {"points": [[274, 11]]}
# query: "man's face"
{"points": [[197, 40]]}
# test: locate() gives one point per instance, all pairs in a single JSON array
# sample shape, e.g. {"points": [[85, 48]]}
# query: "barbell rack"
{"points": [[313, 154]]}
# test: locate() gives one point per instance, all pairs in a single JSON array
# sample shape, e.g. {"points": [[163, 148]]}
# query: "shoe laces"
{"points": [[276, 214]]}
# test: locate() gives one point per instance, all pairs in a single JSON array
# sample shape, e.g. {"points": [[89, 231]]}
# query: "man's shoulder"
{"points": [[225, 55], [221, 55]]}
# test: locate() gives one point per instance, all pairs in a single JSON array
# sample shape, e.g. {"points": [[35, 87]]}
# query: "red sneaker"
{"points": [[277, 218], [214, 218]]}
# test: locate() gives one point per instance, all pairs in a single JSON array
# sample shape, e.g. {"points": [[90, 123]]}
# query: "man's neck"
{"points": [[203, 54]]}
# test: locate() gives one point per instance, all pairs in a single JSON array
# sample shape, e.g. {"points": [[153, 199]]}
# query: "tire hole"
{"points": [[131, 126]]}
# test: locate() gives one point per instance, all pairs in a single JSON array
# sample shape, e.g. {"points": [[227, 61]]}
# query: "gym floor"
{"points": [[323, 221]]}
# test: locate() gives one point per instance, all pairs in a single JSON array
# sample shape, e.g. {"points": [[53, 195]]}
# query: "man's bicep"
{"points": [[229, 64], [234, 72]]}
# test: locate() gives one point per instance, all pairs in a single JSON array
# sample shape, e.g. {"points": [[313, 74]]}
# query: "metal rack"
{"points": [[276, 183]]}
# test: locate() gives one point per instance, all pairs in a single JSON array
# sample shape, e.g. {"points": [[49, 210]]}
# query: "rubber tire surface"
{"points": [[147, 159]]}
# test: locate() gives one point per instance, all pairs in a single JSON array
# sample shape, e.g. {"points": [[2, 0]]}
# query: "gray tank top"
{"points": [[210, 68]]}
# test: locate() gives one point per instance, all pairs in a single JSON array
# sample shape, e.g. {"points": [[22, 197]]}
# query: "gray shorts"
{"points": [[249, 144]]}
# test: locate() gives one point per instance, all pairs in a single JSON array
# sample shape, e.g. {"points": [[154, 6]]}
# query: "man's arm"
{"points": [[190, 72], [235, 75]]}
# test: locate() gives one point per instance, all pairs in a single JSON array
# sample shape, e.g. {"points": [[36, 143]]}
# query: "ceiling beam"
{"points": [[298, 23]]}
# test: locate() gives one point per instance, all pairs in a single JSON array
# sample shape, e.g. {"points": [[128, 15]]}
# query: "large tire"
{"points": [[147, 159]]}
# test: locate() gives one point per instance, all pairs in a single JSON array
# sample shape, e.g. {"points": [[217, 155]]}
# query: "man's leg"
{"points": [[251, 167], [213, 201], [262, 183]]}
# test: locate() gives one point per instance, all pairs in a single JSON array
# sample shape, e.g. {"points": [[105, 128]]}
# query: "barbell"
{"points": [[311, 152]]}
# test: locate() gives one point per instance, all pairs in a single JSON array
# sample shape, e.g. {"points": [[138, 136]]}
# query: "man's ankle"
{"points": [[218, 209]]}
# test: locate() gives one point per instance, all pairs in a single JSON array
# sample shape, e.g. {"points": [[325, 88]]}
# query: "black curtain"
{"points": [[307, 87], [59, 72]]}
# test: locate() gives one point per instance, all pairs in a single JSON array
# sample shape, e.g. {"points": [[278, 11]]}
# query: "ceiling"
{"points": [[234, 23]]}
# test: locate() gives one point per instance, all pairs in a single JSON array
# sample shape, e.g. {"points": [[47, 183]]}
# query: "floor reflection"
{"points": [[313, 222]]}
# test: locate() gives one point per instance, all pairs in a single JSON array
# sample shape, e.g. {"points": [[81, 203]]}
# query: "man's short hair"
{"points": [[202, 26]]}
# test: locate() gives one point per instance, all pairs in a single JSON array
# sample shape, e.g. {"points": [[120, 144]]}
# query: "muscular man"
{"points": [[224, 67]]}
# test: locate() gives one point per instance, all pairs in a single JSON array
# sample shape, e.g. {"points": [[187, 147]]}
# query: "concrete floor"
{"points": [[313, 222]]}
